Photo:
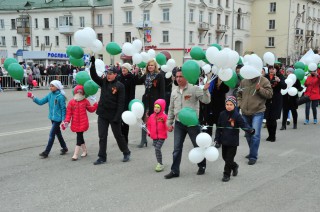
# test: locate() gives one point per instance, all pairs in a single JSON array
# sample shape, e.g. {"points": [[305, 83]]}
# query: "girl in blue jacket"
{"points": [[57, 111]]}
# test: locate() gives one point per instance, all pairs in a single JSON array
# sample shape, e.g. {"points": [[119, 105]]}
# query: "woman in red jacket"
{"points": [[157, 129], [313, 92], [77, 112]]}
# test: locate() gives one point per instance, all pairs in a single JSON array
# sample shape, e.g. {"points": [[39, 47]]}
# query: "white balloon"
{"points": [[91, 34], [215, 69], [196, 155], [292, 91], [145, 57], [168, 74], [249, 72], [221, 59], [80, 38], [137, 109], [127, 49], [293, 77], [233, 58], [96, 46], [211, 153], [284, 91], [171, 63], [308, 60], [137, 58], [100, 67], [316, 58], [203, 140], [152, 53], [206, 68], [269, 58], [137, 45], [312, 66], [166, 68], [289, 83], [129, 117], [211, 54], [225, 74]]}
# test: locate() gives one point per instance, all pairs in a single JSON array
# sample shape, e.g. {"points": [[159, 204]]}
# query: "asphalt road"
{"points": [[285, 178]]}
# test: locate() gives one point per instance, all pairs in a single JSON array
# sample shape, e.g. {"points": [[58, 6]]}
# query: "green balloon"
{"points": [[188, 117], [217, 46], [206, 61], [299, 73], [191, 71], [8, 61], [16, 71], [142, 65], [76, 62], [113, 48], [299, 65], [90, 87], [68, 51], [82, 77], [161, 59], [306, 69], [240, 61], [133, 101], [197, 53], [232, 82], [76, 52], [303, 81]]}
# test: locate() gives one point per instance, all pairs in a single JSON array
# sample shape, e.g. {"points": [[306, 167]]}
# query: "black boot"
{"points": [[143, 139], [294, 125], [283, 127]]}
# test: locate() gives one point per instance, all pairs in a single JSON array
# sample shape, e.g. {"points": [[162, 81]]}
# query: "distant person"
{"points": [[57, 112]]}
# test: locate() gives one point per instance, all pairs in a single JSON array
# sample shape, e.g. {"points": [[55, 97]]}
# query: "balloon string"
{"points": [[204, 127], [142, 125], [256, 89]]}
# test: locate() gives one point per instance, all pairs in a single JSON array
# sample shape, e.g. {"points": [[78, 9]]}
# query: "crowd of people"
{"points": [[229, 109]]}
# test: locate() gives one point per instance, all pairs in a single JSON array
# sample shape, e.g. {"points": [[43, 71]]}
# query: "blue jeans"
{"points": [[55, 131], [180, 133], [255, 121], [314, 105]]}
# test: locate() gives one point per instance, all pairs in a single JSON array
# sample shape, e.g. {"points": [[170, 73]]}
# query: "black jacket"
{"points": [[226, 134], [130, 88], [112, 97]]}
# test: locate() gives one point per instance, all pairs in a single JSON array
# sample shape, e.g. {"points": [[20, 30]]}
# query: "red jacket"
{"points": [[77, 113], [157, 122], [313, 87]]}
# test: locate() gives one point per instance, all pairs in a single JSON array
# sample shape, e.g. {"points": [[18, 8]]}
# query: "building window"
{"points": [[56, 21], [37, 40], [69, 40], [14, 40], [190, 36], [128, 17], [127, 1], [3, 41], [200, 39], [57, 40], [209, 38], [65, 21], [218, 20], [100, 37], [13, 23], [82, 24], [227, 3], [165, 36], [272, 24], [200, 16], [110, 19], [146, 15], [226, 21], [99, 20], [46, 23], [211, 1], [271, 42], [46, 40], [210, 18], [273, 7], [128, 37], [1, 23], [225, 39], [191, 15], [219, 3], [166, 14], [36, 23], [111, 37]]}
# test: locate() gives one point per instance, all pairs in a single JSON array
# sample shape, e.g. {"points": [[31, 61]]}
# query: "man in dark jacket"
{"points": [[110, 108]]}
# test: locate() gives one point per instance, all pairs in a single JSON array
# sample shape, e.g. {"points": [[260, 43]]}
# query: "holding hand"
{"points": [[252, 132], [30, 95], [92, 60], [170, 129], [258, 86], [64, 125]]}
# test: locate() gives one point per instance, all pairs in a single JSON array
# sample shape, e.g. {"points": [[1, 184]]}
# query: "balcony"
{"points": [[221, 28], [66, 29], [144, 25], [23, 30], [310, 33], [203, 26]]}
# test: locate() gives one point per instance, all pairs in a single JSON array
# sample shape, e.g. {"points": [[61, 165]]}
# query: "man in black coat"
{"points": [[110, 108]]}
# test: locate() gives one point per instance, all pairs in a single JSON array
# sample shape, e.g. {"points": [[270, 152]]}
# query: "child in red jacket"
{"points": [[157, 127], [77, 112]]}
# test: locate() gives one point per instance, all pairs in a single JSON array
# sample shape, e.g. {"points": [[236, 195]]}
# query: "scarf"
{"points": [[78, 97], [149, 79]]}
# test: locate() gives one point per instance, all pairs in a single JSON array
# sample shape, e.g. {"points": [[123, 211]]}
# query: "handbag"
{"points": [[303, 100]]}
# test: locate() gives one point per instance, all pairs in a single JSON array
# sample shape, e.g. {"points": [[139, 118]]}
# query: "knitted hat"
{"points": [[78, 88], [232, 99], [127, 66], [57, 84]]}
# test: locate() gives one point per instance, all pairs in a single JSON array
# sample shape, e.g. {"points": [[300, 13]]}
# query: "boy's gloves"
{"points": [[64, 125], [253, 131], [92, 60], [30, 95]]}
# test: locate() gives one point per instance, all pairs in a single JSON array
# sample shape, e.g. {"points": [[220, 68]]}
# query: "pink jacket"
{"points": [[157, 123], [77, 113]]}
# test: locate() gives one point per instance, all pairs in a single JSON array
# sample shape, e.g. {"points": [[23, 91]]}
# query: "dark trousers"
{"points": [[125, 131], [272, 127], [285, 112], [228, 154], [314, 105], [180, 133], [55, 131], [80, 139], [103, 126]]}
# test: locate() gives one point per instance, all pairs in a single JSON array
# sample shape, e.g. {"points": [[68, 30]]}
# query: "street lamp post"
{"points": [[143, 23]]}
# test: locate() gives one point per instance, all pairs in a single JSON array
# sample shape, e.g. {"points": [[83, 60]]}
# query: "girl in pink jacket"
{"points": [[77, 113], [157, 127]]}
